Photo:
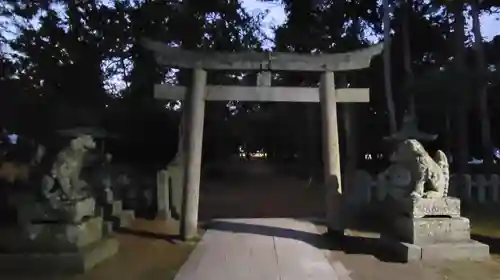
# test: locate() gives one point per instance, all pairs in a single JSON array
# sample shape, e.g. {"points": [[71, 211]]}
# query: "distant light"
{"points": [[106, 105], [496, 152], [475, 161], [13, 138]]}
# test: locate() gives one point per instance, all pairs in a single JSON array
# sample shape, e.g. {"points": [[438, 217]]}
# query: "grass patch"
{"points": [[484, 220]]}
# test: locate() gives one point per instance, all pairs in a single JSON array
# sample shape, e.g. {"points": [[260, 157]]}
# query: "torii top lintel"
{"points": [[176, 57]]}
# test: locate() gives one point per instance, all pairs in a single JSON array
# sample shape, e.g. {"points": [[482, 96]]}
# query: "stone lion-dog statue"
{"points": [[425, 177], [66, 169]]}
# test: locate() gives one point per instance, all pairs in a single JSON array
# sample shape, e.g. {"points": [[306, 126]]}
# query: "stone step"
{"points": [[124, 219], [107, 228], [113, 209], [105, 196], [406, 252]]}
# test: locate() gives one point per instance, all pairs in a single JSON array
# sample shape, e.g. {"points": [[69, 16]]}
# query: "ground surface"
{"points": [[253, 190]]}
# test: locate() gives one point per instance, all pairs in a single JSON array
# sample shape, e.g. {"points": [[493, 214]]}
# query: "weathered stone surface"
{"points": [[176, 176], [123, 219], [63, 183], [432, 230], [53, 263], [418, 208], [335, 221], [106, 196], [113, 209], [127, 216], [361, 192], [70, 212], [51, 237], [470, 250], [107, 228], [413, 169], [163, 195], [406, 252], [429, 229]]}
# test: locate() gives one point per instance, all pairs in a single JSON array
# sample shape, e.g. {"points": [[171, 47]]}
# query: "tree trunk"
{"points": [[482, 87], [387, 67], [448, 136], [311, 159], [462, 114], [349, 112], [408, 9]]}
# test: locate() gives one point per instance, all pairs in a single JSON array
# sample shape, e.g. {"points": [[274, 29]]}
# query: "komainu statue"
{"points": [[415, 171], [64, 180]]}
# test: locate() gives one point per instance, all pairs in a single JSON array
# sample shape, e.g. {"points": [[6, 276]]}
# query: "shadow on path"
{"points": [[170, 238], [326, 241]]}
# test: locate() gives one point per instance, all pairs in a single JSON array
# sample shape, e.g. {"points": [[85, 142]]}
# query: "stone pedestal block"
{"points": [[407, 252], [123, 219], [50, 237], [53, 263], [70, 212], [427, 207], [105, 196], [54, 248], [471, 250], [113, 209], [107, 228], [432, 230]]}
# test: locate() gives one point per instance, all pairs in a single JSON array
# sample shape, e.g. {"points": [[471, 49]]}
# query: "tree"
{"points": [[482, 88], [462, 112], [387, 67]]}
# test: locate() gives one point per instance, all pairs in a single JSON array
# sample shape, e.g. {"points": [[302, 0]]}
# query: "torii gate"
{"points": [[199, 92]]}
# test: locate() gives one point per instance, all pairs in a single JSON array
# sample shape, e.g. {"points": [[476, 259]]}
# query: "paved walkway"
{"points": [[264, 249]]}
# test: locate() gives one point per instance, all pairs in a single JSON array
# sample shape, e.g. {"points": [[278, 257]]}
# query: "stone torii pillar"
{"points": [[331, 150], [192, 147]]}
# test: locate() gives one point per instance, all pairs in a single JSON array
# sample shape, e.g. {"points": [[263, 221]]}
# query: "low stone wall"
{"points": [[477, 188]]}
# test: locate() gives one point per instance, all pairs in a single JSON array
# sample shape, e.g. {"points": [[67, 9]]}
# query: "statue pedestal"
{"points": [[65, 240], [425, 207], [67, 212], [430, 229]]}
